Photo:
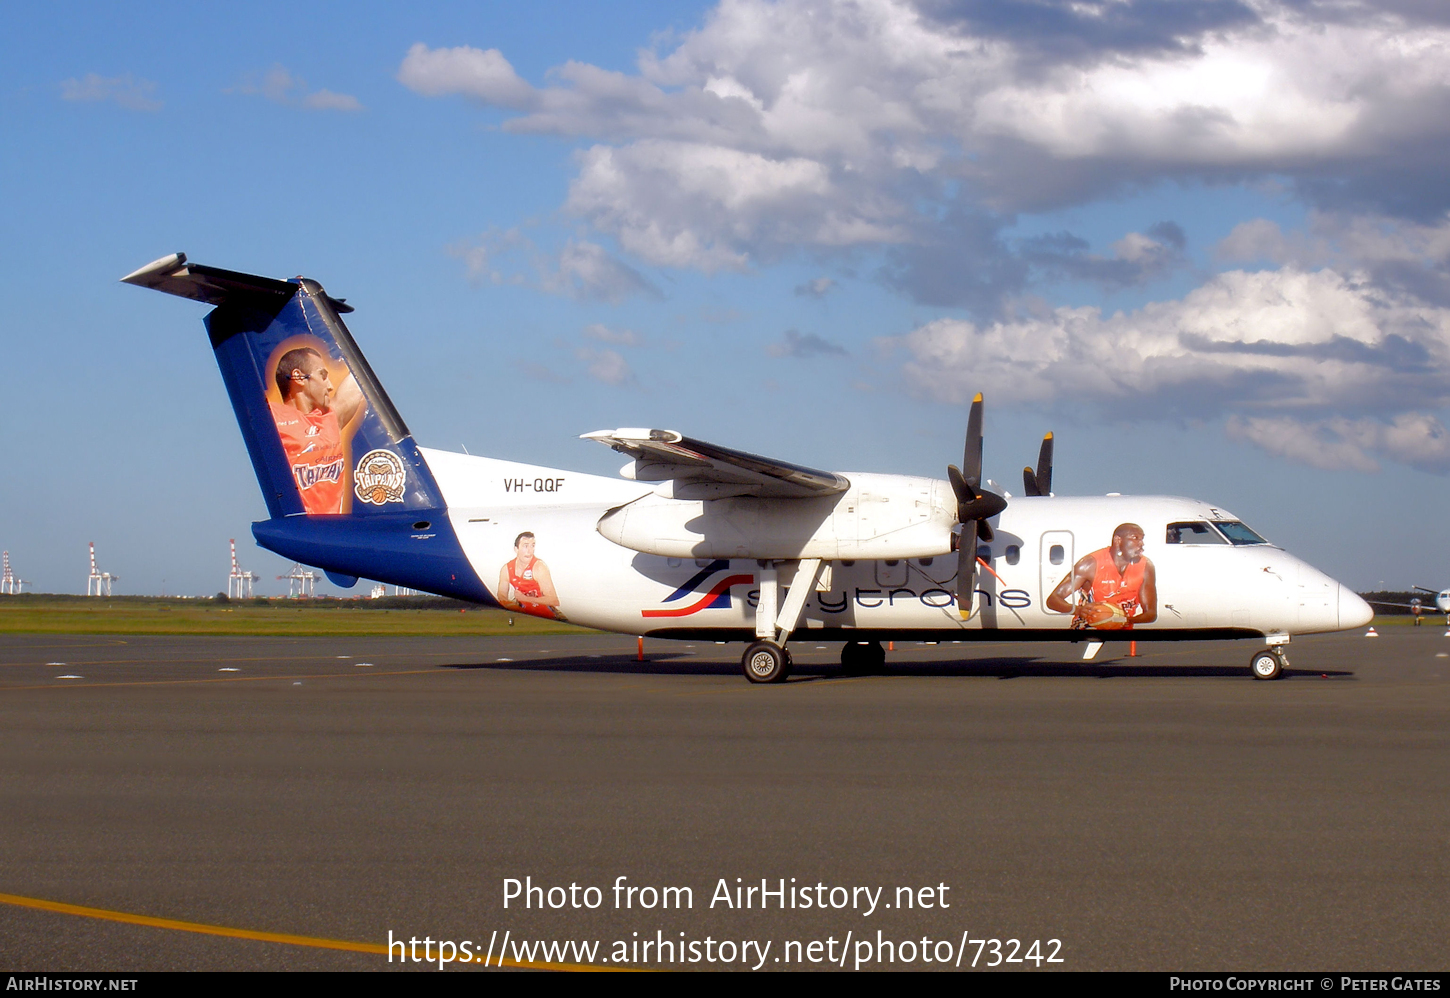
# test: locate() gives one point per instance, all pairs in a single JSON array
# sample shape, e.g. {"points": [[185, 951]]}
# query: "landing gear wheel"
{"points": [[765, 662], [1267, 664], [875, 657]]}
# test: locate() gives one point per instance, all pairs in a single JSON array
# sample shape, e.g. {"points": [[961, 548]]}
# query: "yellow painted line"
{"points": [[378, 949]]}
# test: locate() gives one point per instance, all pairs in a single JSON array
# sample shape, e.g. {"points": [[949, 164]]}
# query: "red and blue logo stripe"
{"points": [[716, 598]]}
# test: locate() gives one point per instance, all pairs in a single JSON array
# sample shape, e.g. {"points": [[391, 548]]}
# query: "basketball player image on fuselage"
{"points": [[1116, 586], [525, 584], [309, 420]]}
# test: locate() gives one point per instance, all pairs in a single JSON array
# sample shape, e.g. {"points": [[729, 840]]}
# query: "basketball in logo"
{"points": [[379, 478]]}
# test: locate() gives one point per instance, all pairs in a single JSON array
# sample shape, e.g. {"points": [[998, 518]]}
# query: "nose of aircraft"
{"points": [[1353, 611]]}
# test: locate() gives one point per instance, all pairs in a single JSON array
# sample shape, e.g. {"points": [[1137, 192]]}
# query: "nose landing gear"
{"points": [[1268, 663]]}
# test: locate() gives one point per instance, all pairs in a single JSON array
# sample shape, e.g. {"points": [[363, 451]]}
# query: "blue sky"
{"points": [[1205, 247]]}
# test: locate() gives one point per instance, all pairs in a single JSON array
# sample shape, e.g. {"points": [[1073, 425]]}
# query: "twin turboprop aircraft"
{"points": [[699, 541]]}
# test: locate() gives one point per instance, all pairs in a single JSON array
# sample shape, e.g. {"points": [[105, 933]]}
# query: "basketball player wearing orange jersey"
{"points": [[1118, 585], [309, 420], [525, 584]]}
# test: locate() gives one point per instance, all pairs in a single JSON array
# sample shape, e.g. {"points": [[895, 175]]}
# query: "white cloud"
{"points": [[712, 207], [581, 270], [822, 125], [125, 90], [484, 76], [326, 100], [619, 337], [606, 365], [280, 86], [1414, 438], [587, 272], [1276, 348]]}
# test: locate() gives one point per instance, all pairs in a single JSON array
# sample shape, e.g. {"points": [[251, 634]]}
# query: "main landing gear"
{"points": [[766, 660], [1269, 663]]}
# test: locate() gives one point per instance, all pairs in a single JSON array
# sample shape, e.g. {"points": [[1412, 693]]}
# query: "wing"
{"points": [[700, 470]]}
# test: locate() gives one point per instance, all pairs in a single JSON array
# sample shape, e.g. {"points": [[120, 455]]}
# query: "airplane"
{"points": [[1417, 605], [697, 541]]}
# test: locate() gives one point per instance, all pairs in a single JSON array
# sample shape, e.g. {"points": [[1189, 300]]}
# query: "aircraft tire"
{"points": [[875, 656], [765, 662], [853, 658], [1266, 665]]}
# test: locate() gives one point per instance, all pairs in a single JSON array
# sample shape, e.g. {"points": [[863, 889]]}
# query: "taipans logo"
{"points": [[379, 477], [308, 475], [718, 598]]}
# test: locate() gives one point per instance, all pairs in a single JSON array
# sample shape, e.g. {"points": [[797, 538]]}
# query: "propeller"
{"points": [[1039, 483], [975, 507]]}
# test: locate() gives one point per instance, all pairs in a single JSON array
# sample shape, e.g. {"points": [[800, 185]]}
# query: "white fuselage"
{"points": [[621, 554]]}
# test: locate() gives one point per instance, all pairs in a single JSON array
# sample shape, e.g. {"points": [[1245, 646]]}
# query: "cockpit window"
{"points": [[1237, 533], [1192, 533]]}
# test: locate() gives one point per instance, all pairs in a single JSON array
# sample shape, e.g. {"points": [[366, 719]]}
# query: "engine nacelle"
{"points": [[879, 517]]}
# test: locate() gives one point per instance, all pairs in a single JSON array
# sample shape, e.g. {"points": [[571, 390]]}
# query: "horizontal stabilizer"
{"points": [[173, 275], [664, 455]]}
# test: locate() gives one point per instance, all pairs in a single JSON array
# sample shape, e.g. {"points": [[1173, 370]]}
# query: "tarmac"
{"points": [[1165, 812]]}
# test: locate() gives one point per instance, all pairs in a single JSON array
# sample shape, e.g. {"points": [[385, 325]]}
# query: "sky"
{"points": [[1204, 242]]}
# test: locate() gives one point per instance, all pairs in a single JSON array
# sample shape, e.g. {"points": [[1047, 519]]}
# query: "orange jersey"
{"points": [[1112, 586], [313, 443]]}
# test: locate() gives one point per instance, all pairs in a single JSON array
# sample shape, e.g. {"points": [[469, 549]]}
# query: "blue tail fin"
{"points": [[345, 485]]}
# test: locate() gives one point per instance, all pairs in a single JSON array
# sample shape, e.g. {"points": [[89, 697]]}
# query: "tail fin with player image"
{"points": [[345, 485]]}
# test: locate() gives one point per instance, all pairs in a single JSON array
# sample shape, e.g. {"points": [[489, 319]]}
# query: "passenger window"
{"points": [[984, 552], [1014, 554], [1192, 533], [1055, 554], [925, 561]]}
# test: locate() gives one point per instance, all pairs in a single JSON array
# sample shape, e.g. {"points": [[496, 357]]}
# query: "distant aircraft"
{"points": [[702, 542], [1442, 599], [1416, 605]]}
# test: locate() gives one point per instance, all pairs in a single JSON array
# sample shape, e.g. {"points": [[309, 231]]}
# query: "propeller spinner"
{"points": [[975, 507]]}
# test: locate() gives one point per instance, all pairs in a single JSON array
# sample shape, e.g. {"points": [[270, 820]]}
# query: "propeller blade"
{"points": [[963, 491], [975, 506], [1044, 466], [1029, 483], [972, 455], [967, 568]]}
